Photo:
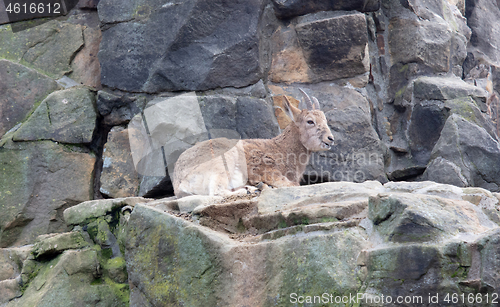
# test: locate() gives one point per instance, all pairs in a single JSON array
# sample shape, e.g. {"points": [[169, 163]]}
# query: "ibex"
{"points": [[221, 166]]}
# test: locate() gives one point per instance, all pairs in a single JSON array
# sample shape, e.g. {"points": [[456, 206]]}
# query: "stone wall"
{"points": [[100, 102]]}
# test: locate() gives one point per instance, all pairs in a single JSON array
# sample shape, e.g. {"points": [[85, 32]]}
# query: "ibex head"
{"points": [[314, 132]]}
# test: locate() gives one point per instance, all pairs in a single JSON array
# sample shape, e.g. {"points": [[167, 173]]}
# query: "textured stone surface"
{"points": [[293, 8], [117, 109], [438, 88], [247, 271], [85, 66], [66, 116], [37, 182], [254, 118], [483, 40], [72, 278], [429, 44], [10, 289], [11, 261], [49, 47], [472, 150], [430, 253], [402, 218], [193, 45], [15, 101], [57, 243], [219, 112], [335, 47], [119, 177]]}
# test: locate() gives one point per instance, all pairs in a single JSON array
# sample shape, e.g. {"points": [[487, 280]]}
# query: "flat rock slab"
{"points": [[272, 200], [57, 243], [438, 88], [88, 210]]}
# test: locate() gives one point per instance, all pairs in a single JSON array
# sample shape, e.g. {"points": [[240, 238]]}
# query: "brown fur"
{"points": [[278, 162]]}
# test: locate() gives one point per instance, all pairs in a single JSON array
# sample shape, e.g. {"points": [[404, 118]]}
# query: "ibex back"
{"points": [[277, 162]]}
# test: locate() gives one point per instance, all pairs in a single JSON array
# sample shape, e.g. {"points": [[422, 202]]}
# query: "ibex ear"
{"points": [[290, 110]]}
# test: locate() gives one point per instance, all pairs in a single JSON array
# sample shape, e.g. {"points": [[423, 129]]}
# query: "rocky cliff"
{"points": [[97, 104]]}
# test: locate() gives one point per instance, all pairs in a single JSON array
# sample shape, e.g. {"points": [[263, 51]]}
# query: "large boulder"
{"points": [[193, 45]]}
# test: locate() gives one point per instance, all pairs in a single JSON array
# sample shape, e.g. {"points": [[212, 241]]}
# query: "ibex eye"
{"points": [[310, 122]]}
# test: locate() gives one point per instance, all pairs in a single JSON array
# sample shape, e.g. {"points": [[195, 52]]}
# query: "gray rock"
{"points": [[255, 119], [472, 150], [11, 261], [117, 109], [428, 44], [10, 289], [66, 116], [427, 121], [439, 88], [293, 8], [38, 181], [284, 199], [219, 112], [483, 39], [85, 66], [399, 218], [428, 103], [335, 47], [242, 274], [15, 103], [194, 45], [445, 171], [118, 177]]}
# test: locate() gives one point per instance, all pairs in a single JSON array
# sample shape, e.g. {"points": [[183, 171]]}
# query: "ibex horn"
{"points": [[310, 104]]}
